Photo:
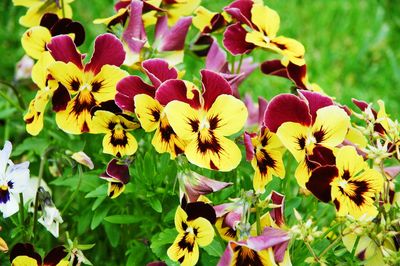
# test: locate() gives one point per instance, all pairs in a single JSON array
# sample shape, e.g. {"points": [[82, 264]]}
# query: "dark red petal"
{"points": [[134, 34], [128, 88], [297, 74], [200, 209], [286, 108], [62, 48], [48, 20], [213, 85], [235, 40], [249, 145], [55, 256], [158, 71], [216, 58], [315, 101], [322, 156], [277, 213], [274, 68], [363, 105], [118, 170], [262, 107], [108, 50], [320, 180], [241, 10], [175, 89], [60, 98]]}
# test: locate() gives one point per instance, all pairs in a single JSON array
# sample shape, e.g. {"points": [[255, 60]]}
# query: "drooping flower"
{"points": [[24, 254], [84, 86], [228, 217], [205, 121], [265, 153], [117, 175], [350, 184], [51, 217], [14, 179], [37, 8], [309, 126], [194, 223], [110, 120], [257, 26], [194, 185], [134, 96]]}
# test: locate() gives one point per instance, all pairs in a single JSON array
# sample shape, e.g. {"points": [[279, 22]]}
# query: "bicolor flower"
{"points": [[194, 185], [350, 184], [136, 96], [84, 86], [205, 121], [258, 250], [194, 223], [176, 9], [24, 254], [14, 179], [309, 126], [37, 8], [51, 217], [207, 21], [117, 141], [216, 61], [117, 175], [265, 153], [228, 217], [257, 26], [35, 39]]}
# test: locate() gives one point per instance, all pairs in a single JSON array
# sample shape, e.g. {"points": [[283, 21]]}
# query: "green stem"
{"points": [[258, 219], [62, 8], [16, 92], [40, 176], [22, 213], [73, 195], [312, 251], [353, 251], [331, 245], [5, 97], [233, 64], [240, 65]]}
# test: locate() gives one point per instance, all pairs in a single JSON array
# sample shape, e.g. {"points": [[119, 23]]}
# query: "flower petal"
{"points": [[62, 48], [179, 90], [159, 71], [34, 41], [235, 40], [148, 111], [213, 85]]}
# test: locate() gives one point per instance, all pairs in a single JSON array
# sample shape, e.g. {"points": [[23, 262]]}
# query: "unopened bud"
{"points": [[83, 159], [3, 245]]}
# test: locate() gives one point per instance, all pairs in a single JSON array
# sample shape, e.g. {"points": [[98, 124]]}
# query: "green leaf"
{"points": [[113, 233], [98, 216], [98, 192], [98, 202], [156, 205], [123, 219], [86, 246], [160, 241], [37, 145], [214, 249]]}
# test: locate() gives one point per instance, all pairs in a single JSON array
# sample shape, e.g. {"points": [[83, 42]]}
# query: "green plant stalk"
{"points": [[5, 97], [353, 251], [40, 176], [62, 8], [239, 66], [258, 219], [21, 102], [22, 214], [312, 251], [331, 245], [73, 195]]}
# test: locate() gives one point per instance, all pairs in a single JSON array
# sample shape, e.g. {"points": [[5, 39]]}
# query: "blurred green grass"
{"points": [[352, 47]]}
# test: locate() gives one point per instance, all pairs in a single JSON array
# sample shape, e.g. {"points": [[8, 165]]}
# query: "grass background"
{"points": [[352, 50]]}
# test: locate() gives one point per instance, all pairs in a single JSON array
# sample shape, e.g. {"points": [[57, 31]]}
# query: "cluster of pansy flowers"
{"points": [[206, 121]]}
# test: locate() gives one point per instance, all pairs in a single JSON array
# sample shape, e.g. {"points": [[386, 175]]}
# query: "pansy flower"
{"points": [[14, 179], [116, 126], [228, 217], [134, 96], [265, 153], [309, 126], [117, 175], [207, 21], [205, 120], [84, 86], [257, 26], [24, 254], [194, 223], [35, 39], [37, 8], [350, 184]]}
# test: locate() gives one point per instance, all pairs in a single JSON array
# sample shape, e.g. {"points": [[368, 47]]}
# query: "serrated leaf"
{"points": [[123, 219], [156, 205]]}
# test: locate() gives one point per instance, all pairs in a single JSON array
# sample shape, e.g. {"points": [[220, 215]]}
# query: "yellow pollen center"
{"points": [[4, 187]]}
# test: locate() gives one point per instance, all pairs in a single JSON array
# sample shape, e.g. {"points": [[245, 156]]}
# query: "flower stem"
{"points": [[73, 195], [240, 65], [258, 219], [40, 176], [312, 251], [62, 8], [21, 104], [22, 213], [331, 245]]}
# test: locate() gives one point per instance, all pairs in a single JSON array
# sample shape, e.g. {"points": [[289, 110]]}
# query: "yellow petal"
{"points": [[266, 19], [290, 48], [357, 137], [203, 18], [24, 261], [348, 162], [119, 143], [34, 41], [105, 82], [227, 121], [213, 152], [148, 111], [186, 257], [294, 136], [205, 231], [115, 189], [69, 75], [333, 122], [36, 11], [39, 70], [184, 119]]}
